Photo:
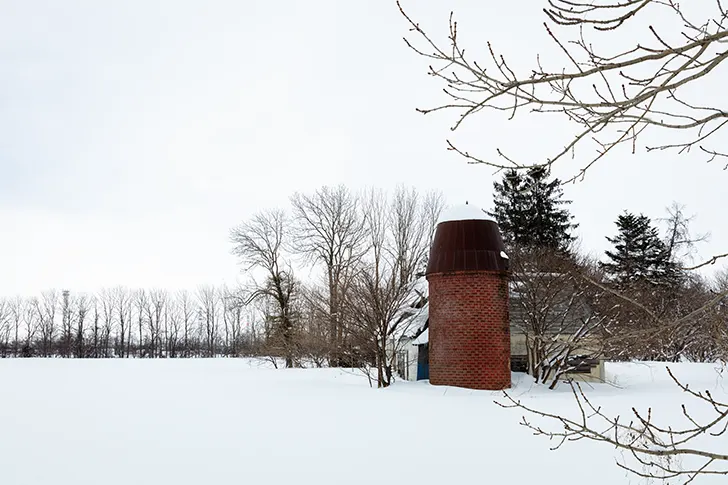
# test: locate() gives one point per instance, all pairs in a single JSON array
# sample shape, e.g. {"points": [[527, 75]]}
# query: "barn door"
{"points": [[423, 362]]}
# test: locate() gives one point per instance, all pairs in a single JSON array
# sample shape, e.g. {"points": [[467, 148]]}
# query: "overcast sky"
{"points": [[134, 134]]}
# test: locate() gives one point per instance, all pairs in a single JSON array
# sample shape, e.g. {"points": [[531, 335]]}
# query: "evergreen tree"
{"points": [[530, 210], [639, 255]]}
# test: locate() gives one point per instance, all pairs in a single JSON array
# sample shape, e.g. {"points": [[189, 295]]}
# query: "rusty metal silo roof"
{"points": [[467, 245]]}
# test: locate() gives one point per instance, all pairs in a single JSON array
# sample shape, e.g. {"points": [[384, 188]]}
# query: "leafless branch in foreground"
{"points": [[709, 262], [610, 99], [651, 449]]}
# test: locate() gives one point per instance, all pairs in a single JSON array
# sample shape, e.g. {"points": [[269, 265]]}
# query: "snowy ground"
{"points": [[234, 421]]}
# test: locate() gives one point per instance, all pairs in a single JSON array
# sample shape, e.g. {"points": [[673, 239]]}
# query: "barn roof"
{"points": [[412, 317], [422, 338]]}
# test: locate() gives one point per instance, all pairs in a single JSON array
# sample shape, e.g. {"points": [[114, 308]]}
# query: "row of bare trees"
{"points": [[120, 322], [366, 250]]}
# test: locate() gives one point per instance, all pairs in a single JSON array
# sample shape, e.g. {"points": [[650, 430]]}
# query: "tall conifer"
{"points": [[530, 211]]}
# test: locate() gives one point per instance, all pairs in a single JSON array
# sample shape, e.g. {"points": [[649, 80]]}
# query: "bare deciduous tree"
{"points": [[316, 325], [141, 301], [96, 334], [81, 308], [328, 229], [233, 308], [553, 309], [721, 279], [413, 219], [718, 319], [46, 308], [5, 327], [187, 315], [207, 297], [32, 321], [156, 303], [679, 238], [122, 302], [16, 315], [259, 243], [106, 299], [174, 326], [66, 324], [398, 237]]}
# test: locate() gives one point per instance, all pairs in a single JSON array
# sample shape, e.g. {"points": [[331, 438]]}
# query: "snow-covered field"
{"points": [[236, 421]]}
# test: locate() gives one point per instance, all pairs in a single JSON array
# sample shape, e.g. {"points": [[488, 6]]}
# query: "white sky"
{"points": [[134, 134]]}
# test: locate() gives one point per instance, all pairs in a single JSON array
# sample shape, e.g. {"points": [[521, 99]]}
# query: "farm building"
{"points": [[412, 354], [410, 360]]}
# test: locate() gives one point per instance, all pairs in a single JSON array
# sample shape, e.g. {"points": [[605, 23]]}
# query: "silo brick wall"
{"points": [[470, 343]]}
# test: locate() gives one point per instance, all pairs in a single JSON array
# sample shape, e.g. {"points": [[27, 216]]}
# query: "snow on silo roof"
{"points": [[464, 212]]}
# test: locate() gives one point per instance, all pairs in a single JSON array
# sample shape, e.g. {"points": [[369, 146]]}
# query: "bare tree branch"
{"points": [[611, 100], [654, 447]]}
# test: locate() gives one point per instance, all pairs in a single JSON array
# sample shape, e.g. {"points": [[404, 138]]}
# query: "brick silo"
{"points": [[469, 327]]}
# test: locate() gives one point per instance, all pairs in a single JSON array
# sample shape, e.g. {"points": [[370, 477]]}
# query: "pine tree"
{"points": [[639, 254], [529, 210]]}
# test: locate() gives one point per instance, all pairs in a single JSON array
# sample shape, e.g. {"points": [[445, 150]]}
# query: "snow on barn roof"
{"points": [[411, 323], [464, 212], [410, 319], [423, 338], [420, 289], [418, 294]]}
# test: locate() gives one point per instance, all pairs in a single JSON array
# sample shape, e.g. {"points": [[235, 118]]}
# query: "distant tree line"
{"points": [[121, 322]]}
